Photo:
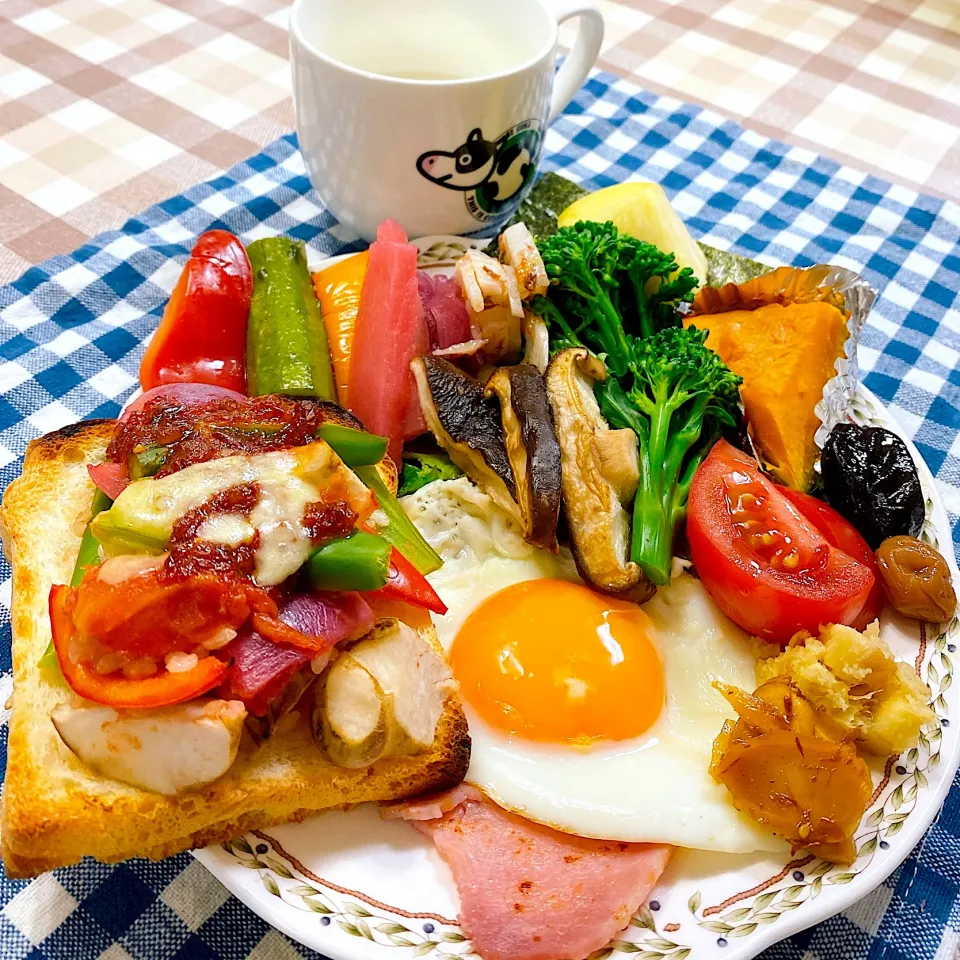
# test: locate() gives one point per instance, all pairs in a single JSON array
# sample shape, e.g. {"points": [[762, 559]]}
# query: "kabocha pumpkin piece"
{"points": [[783, 335]]}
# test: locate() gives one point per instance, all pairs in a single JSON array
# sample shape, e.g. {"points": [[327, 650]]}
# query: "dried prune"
{"points": [[870, 478]]}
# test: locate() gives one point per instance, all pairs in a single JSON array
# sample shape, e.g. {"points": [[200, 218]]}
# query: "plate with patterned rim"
{"points": [[354, 887]]}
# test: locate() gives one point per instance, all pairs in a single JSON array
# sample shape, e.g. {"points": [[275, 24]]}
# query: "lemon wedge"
{"points": [[643, 211]]}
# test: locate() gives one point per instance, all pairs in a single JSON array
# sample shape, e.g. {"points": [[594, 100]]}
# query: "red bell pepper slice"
{"points": [[405, 582], [160, 690], [202, 337]]}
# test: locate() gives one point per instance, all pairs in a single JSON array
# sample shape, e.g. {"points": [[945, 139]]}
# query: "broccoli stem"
{"points": [[662, 499]]}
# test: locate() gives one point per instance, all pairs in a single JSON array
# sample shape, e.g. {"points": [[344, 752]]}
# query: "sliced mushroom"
{"points": [[382, 697], [536, 340], [467, 425], [519, 249], [599, 525], [532, 450], [167, 751], [619, 461]]}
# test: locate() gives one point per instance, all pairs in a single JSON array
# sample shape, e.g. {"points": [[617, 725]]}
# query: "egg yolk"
{"points": [[553, 661]]}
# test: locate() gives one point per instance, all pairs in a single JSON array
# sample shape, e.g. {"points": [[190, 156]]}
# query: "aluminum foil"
{"points": [[840, 390]]}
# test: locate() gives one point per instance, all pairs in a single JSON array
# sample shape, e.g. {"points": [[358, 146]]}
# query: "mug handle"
{"points": [[586, 48]]}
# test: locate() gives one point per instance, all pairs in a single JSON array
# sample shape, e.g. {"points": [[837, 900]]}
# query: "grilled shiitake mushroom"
{"points": [[594, 480], [501, 436], [532, 450]]}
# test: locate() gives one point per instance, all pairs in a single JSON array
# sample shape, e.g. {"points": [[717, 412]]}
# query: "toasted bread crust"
{"points": [[56, 811]]}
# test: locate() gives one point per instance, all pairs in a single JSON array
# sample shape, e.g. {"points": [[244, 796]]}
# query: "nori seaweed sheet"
{"points": [[724, 267], [552, 194]]}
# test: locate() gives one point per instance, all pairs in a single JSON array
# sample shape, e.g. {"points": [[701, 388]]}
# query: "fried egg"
{"points": [[587, 714]]}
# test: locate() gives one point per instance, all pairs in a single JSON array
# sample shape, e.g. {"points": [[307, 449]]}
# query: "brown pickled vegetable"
{"points": [[916, 579], [807, 789]]}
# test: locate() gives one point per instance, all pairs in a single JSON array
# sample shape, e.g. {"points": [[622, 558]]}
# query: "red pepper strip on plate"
{"points": [[202, 337], [117, 691], [406, 583]]}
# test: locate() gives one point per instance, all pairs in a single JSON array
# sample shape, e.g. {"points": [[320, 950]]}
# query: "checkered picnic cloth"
{"points": [[70, 336]]}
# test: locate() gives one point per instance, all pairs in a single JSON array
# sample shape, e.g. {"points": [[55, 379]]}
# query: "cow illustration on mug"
{"points": [[491, 173]]}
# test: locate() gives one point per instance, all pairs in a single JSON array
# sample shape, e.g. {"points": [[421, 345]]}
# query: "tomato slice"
{"points": [[840, 533], [405, 582], [161, 690], [767, 567], [202, 337], [146, 614]]}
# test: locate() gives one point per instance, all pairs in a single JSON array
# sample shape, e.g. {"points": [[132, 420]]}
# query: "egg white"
{"points": [[654, 788]]}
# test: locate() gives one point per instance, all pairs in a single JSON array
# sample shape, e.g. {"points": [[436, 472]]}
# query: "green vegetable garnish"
{"points": [[607, 289], [356, 448], [419, 469], [681, 398], [87, 556], [358, 562], [399, 530], [619, 297], [145, 463]]}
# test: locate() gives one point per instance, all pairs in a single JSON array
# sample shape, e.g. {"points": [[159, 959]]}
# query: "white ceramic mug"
{"points": [[431, 112]]}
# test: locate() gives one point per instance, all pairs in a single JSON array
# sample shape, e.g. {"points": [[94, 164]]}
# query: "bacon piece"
{"points": [[531, 893]]}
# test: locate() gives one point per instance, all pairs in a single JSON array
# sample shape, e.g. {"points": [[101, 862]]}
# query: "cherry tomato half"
{"points": [[202, 337], [766, 566], [840, 533]]}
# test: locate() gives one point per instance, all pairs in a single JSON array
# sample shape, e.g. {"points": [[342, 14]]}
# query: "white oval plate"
{"points": [[353, 887]]}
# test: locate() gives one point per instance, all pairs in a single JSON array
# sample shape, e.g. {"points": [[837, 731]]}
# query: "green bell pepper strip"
{"points": [[287, 350], [87, 556], [145, 463], [360, 561], [399, 530], [356, 448]]}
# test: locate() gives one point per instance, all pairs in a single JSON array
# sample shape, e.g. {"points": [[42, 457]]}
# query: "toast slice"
{"points": [[55, 810]]}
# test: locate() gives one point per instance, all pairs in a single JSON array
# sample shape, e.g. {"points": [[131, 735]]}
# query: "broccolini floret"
{"points": [[682, 396], [620, 298]]}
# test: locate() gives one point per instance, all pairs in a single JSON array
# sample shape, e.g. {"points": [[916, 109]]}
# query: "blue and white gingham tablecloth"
{"points": [[70, 337]]}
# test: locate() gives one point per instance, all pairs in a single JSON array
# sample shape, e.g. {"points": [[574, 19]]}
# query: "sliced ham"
{"points": [[389, 331], [431, 806], [531, 893], [111, 478]]}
